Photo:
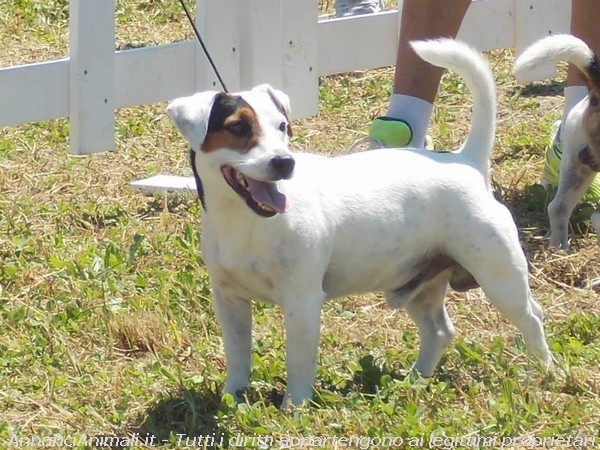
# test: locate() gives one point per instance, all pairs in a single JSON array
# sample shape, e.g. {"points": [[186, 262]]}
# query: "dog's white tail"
{"points": [[474, 68], [557, 48]]}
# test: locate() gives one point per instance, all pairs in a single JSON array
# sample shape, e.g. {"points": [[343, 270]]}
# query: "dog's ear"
{"points": [[281, 101], [190, 115]]}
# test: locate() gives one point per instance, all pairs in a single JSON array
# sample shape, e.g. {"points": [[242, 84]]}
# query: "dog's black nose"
{"points": [[283, 166]]}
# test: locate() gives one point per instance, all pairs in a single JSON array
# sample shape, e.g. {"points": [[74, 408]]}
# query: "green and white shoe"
{"points": [[551, 172], [387, 132], [392, 133]]}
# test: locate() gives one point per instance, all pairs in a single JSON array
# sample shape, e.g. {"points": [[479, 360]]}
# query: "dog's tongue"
{"points": [[268, 194]]}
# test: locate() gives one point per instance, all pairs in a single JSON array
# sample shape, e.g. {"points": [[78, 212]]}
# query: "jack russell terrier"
{"points": [[580, 132], [297, 229]]}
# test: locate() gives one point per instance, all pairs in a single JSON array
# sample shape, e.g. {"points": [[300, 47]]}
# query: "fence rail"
{"points": [[281, 42]]}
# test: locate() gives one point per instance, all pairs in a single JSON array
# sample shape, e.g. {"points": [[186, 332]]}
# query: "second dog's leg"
{"points": [[435, 327], [574, 181], [235, 317]]}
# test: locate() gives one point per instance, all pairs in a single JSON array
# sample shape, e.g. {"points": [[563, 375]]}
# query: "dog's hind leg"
{"points": [[436, 331], [234, 315], [501, 271], [512, 297]]}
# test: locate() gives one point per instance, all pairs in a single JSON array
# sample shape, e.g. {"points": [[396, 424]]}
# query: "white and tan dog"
{"points": [[580, 132], [297, 229]]}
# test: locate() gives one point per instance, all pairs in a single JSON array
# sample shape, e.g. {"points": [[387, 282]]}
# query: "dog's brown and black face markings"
{"points": [[232, 124]]}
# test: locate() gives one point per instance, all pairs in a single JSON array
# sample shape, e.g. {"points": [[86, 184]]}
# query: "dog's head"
{"points": [[246, 137]]}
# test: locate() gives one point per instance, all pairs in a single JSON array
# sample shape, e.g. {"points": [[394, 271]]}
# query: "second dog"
{"points": [[579, 133]]}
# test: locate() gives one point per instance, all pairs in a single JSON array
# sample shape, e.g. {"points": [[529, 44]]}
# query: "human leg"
{"points": [[584, 25], [415, 81]]}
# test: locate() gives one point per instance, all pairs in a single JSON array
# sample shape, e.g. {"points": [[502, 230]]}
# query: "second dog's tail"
{"points": [[474, 68], [557, 48]]}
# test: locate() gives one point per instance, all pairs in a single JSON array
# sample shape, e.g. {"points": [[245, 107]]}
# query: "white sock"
{"points": [[414, 111], [573, 95]]}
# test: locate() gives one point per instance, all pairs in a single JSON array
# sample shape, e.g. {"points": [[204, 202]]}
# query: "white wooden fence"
{"points": [[281, 42]]}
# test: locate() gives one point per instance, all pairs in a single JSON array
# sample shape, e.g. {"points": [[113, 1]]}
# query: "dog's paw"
{"points": [[239, 395], [296, 397]]}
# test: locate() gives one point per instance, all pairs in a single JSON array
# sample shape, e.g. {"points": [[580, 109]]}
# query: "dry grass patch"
{"points": [[140, 332]]}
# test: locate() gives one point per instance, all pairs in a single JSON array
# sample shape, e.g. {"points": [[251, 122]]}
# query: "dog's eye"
{"points": [[239, 128], [283, 127]]}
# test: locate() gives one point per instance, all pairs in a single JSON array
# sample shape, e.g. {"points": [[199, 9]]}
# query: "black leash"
{"points": [[210, 60]]}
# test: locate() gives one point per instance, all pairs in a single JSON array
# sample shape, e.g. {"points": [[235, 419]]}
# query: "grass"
{"points": [[106, 323]]}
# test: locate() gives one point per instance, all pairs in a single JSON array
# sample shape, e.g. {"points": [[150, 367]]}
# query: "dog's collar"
{"points": [[199, 187]]}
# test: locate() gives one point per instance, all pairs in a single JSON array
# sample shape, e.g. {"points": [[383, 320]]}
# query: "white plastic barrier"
{"points": [[280, 42]]}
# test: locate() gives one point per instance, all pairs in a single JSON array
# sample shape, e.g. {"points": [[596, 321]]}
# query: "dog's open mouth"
{"points": [[262, 197]]}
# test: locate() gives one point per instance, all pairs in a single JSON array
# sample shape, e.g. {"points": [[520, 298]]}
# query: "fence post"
{"points": [[218, 24], [262, 48], [555, 17], [280, 47], [300, 55], [92, 75]]}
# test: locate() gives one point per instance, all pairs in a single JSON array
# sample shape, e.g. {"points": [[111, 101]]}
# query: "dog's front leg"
{"points": [[302, 318], [235, 318], [574, 181]]}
